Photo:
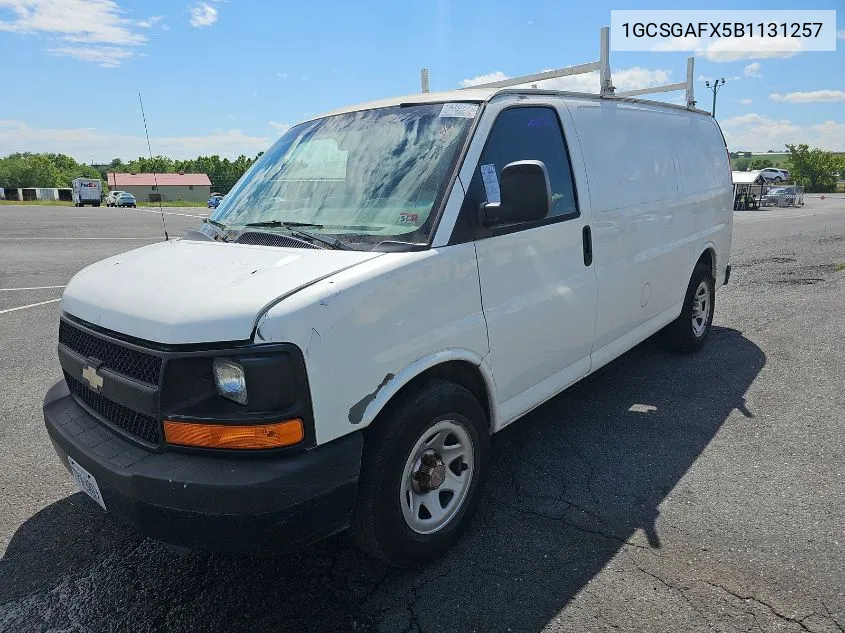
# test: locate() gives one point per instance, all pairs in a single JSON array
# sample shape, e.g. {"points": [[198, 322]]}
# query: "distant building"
{"points": [[148, 187]]}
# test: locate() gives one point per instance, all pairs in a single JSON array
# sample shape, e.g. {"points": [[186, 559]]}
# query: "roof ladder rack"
{"points": [[603, 68]]}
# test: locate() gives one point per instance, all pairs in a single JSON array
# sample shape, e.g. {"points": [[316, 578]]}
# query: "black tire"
{"points": [[378, 525], [680, 335]]}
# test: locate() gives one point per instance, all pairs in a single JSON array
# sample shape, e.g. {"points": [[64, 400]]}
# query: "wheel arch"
{"points": [[708, 258], [460, 366]]}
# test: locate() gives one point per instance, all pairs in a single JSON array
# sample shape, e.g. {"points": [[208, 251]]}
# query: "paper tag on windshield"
{"points": [[458, 110], [491, 182]]}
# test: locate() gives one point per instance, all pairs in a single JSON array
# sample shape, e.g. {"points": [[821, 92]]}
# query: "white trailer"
{"points": [[87, 191]]}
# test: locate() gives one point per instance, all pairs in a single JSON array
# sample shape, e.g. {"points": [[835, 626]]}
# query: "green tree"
{"points": [[29, 170], [814, 168], [742, 164], [156, 164], [761, 163]]}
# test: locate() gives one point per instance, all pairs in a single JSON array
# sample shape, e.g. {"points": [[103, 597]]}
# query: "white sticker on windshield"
{"points": [[491, 182], [458, 110]]}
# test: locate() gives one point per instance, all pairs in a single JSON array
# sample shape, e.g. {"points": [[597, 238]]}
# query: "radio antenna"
{"points": [[155, 177]]}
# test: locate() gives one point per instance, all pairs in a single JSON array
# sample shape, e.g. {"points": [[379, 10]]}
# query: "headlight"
{"points": [[230, 380]]}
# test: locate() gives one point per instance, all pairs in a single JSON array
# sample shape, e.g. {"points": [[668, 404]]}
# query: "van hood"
{"points": [[196, 292]]}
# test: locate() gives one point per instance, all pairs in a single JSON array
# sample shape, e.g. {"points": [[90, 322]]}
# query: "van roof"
{"points": [[481, 95]]}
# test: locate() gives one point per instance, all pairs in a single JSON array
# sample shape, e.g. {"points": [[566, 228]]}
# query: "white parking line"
{"points": [[31, 288], [31, 305], [187, 215]]}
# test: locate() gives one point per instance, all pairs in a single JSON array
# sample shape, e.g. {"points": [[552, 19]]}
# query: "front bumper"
{"points": [[250, 504]]}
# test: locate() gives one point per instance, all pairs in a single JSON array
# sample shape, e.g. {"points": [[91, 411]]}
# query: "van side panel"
{"points": [[653, 215], [362, 329]]}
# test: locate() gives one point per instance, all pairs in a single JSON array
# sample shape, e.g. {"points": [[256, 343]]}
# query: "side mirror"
{"points": [[526, 194]]}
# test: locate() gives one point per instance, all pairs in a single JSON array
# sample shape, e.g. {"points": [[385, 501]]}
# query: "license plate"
{"points": [[86, 482]]}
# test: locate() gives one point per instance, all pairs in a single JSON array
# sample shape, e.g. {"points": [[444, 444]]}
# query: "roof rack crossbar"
{"points": [[602, 65], [683, 85], [644, 91], [549, 74]]}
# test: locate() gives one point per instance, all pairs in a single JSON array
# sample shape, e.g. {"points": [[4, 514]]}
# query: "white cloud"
{"points": [[809, 97], [203, 14], [150, 22], [626, 79], [497, 75], [745, 101], [282, 75], [105, 56], [686, 43], [86, 144], [99, 24], [281, 127], [753, 70], [733, 49], [755, 132]]}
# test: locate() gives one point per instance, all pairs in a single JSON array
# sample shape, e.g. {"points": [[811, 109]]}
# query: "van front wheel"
{"points": [[422, 475], [689, 331]]}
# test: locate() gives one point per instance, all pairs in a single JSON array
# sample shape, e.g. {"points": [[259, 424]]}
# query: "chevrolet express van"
{"points": [[386, 287]]}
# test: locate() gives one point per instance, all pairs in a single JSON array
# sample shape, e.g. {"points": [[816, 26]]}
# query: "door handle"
{"points": [[588, 246]]}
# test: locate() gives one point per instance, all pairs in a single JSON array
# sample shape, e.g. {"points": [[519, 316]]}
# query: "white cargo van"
{"points": [[386, 287], [87, 191]]}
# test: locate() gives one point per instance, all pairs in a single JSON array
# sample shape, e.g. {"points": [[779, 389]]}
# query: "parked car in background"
{"points": [[214, 200], [782, 197], [772, 174], [125, 199], [111, 199]]}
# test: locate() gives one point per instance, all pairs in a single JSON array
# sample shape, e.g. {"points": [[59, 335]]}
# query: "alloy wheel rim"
{"points": [[437, 477], [701, 309]]}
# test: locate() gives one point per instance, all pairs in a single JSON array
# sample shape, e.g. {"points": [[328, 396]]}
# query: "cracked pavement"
{"points": [[718, 504]]}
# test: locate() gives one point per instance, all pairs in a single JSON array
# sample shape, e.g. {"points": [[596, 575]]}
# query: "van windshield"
{"points": [[364, 176]]}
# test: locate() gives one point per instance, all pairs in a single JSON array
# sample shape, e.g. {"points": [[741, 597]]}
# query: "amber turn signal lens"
{"points": [[274, 435]]}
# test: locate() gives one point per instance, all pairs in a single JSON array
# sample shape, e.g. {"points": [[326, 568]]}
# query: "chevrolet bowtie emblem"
{"points": [[94, 380]]}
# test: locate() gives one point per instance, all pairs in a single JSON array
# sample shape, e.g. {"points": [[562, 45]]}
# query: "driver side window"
{"points": [[520, 133], [530, 133]]}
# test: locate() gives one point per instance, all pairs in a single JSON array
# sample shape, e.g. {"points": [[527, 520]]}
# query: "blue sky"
{"points": [[227, 76]]}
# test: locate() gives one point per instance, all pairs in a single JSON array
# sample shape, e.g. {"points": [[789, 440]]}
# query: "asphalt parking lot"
{"points": [[719, 506]]}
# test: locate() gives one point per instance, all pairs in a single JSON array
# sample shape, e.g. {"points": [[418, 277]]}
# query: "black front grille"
{"points": [[260, 238], [134, 423], [123, 360]]}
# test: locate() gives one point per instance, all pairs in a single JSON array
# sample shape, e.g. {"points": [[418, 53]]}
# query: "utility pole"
{"points": [[715, 88]]}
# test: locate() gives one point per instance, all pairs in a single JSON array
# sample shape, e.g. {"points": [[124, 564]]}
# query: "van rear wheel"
{"points": [[689, 331], [422, 474]]}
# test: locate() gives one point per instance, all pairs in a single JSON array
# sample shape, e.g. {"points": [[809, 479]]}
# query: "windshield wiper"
{"points": [[281, 223], [221, 228], [332, 242]]}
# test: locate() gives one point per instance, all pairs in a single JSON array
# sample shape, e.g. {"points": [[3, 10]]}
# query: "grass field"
{"points": [[777, 159]]}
